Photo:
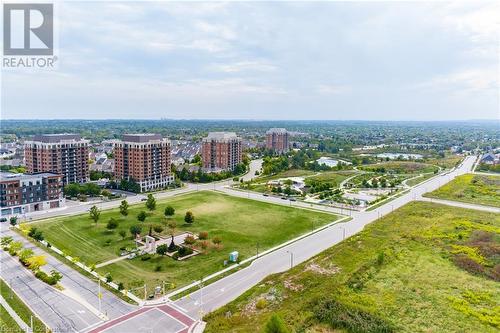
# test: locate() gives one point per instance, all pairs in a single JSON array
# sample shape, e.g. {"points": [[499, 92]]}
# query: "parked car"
{"points": [[3, 219], [265, 194], [292, 199]]}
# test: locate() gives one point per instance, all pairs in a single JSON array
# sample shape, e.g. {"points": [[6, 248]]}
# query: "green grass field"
{"points": [[332, 177], [478, 189], [240, 223], [285, 174], [423, 268], [7, 323]]}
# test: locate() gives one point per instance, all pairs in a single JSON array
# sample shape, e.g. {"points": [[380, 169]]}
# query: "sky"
{"points": [[266, 60]]}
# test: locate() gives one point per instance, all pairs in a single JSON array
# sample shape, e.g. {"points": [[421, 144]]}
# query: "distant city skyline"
{"points": [[266, 61]]}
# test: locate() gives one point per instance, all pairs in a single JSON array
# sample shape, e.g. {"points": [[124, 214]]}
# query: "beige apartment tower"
{"points": [[221, 151], [62, 154], [277, 140], [145, 159]]}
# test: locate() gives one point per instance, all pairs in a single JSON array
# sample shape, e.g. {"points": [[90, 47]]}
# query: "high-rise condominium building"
{"points": [[23, 193], [63, 154], [145, 159], [277, 140], [221, 151]]}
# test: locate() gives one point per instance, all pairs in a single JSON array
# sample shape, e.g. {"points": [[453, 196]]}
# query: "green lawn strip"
{"points": [[399, 271], [285, 174], [471, 188], [20, 307], [402, 167], [239, 222], [332, 177], [421, 179], [7, 323]]}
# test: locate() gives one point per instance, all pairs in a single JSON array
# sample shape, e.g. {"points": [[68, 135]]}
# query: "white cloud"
{"points": [[241, 66], [469, 80], [332, 89]]}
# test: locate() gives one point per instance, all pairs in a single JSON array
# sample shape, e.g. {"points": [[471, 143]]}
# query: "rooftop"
{"points": [[141, 137], [54, 138], [221, 136], [4, 176], [276, 130]]}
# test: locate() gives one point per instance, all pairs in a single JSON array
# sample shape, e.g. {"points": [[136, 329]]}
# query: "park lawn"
{"points": [[240, 223], [420, 179], [447, 162], [402, 167], [20, 308], [397, 275], [478, 189]]}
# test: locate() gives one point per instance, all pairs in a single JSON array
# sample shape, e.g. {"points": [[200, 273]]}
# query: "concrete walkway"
{"points": [[25, 327]]}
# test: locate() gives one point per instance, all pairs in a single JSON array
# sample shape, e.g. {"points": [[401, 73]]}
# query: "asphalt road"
{"points": [[57, 309], [223, 291]]}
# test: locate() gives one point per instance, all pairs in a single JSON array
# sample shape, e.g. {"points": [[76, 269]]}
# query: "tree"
{"points": [[122, 233], [151, 202], [135, 230], [189, 217], [276, 325], [72, 190], [13, 220], [142, 216], [162, 249], [36, 262], [94, 213], [124, 208], [112, 224], [55, 276], [158, 228], [169, 211]]}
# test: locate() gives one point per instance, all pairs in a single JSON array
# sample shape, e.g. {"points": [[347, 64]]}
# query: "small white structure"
{"points": [[150, 245]]}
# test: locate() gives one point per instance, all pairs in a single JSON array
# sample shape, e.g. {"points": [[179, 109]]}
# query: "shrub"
{"points": [[145, 257], [109, 278], [275, 325], [158, 228], [216, 240], [6, 240], [162, 249], [184, 251], [13, 220], [112, 224], [189, 217], [158, 268], [169, 211], [203, 235], [261, 304], [122, 234], [142, 216], [121, 286], [189, 240], [349, 318], [35, 234], [204, 244]]}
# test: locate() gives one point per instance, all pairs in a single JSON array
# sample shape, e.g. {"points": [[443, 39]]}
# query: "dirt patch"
{"points": [[289, 284], [329, 270]]}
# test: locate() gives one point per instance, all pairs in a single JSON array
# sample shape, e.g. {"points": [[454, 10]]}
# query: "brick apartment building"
{"points": [[63, 154], [144, 158], [23, 193], [221, 151], [277, 140]]}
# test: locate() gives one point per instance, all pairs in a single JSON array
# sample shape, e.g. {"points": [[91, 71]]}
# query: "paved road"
{"points": [[227, 289], [58, 310]]}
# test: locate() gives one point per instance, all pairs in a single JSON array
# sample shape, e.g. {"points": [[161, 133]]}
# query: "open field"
{"points": [[401, 167], [478, 189], [240, 224], [20, 308], [448, 162], [332, 177], [423, 268]]}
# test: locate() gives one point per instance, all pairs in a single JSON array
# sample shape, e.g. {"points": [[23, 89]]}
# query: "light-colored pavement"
{"points": [[462, 204], [223, 291], [55, 308]]}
